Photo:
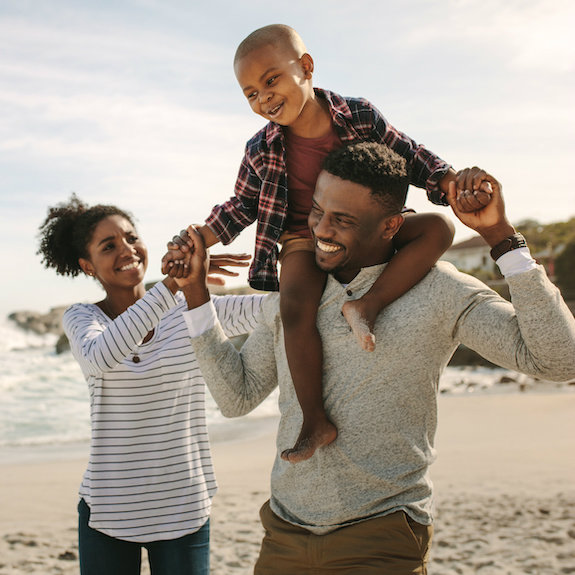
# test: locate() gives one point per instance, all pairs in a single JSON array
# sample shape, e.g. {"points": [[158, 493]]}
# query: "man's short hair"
{"points": [[374, 166]]}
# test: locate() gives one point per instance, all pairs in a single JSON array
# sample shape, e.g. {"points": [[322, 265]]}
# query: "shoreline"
{"points": [[504, 493]]}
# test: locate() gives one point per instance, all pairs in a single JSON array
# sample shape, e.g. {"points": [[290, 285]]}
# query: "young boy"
{"points": [[275, 185]]}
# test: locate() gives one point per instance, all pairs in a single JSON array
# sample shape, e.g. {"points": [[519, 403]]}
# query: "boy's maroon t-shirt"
{"points": [[304, 159]]}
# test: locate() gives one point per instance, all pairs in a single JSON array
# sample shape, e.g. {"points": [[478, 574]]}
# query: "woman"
{"points": [[150, 479]]}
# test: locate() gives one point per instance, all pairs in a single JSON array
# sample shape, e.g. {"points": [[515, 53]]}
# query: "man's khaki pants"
{"points": [[389, 545]]}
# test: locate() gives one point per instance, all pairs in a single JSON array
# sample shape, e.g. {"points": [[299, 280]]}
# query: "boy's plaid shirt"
{"points": [[261, 186]]}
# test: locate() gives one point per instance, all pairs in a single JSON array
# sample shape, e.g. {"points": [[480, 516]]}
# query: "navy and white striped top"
{"points": [[150, 475]]}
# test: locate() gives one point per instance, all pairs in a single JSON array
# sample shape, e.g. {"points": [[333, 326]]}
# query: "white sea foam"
{"points": [[44, 398]]}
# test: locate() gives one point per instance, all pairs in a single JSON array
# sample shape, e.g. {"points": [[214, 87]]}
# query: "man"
{"points": [[362, 505]]}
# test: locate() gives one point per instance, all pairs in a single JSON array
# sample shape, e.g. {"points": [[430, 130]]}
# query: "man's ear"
{"points": [[306, 62], [391, 225], [87, 267]]}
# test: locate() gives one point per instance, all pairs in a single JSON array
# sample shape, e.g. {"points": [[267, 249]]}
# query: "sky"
{"points": [[134, 102]]}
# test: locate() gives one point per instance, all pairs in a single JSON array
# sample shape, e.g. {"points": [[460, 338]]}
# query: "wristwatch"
{"points": [[508, 244]]}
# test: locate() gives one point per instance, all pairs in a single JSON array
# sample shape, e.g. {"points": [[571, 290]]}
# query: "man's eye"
{"points": [[133, 239]]}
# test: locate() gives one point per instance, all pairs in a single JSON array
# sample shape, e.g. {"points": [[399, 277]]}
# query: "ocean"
{"points": [[44, 398]]}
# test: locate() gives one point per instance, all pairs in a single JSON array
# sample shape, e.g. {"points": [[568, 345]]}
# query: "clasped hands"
{"points": [[187, 260]]}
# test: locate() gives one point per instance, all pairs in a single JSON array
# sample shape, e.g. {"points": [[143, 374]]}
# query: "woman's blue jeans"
{"points": [[101, 554]]}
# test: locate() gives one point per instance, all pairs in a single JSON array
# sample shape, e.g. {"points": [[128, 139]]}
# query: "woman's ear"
{"points": [[391, 226], [87, 267]]}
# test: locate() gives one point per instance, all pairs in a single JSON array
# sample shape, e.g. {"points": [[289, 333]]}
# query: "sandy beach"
{"points": [[504, 482]]}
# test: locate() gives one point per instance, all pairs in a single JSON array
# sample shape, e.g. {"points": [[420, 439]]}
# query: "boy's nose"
{"points": [[265, 97]]}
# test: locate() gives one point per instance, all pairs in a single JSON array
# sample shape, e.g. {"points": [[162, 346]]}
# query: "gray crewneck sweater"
{"points": [[384, 403]]}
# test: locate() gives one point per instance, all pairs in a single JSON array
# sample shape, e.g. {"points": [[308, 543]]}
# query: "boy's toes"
{"points": [[368, 342]]}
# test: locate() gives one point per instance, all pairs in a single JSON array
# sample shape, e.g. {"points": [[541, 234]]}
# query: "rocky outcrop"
{"points": [[40, 323], [43, 323]]}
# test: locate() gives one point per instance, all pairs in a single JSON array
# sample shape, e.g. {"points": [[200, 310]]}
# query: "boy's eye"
{"points": [[271, 80], [251, 95]]}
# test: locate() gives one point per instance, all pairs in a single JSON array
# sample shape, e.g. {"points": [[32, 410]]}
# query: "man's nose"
{"points": [[322, 227]]}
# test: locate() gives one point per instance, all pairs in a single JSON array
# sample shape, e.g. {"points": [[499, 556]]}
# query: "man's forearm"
{"points": [[196, 294]]}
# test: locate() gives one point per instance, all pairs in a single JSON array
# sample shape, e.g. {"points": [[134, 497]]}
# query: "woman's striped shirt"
{"points": [[150, 475]]}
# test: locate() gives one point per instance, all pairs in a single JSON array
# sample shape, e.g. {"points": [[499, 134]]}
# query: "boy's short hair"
{"points": [[374, 166], [273, 34]]}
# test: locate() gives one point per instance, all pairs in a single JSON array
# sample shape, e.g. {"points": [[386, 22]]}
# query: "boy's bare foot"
{"points": [[310, 439], [361, 324]]}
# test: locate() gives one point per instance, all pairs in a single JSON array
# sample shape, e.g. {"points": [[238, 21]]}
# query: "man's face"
{"points": [[350, 228]]}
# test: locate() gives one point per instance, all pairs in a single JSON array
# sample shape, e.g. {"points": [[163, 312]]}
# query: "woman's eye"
{"points": [[133, 239]]}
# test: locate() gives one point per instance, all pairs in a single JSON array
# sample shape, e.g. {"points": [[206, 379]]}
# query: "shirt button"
{"points": [[349, 292]]}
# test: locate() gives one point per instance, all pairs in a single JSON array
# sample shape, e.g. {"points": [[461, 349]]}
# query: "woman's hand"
{"points": [[219, 260]]}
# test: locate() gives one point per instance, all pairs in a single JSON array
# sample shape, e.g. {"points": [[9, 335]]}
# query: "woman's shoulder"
{"points": [[82, 309], [83, 312]]}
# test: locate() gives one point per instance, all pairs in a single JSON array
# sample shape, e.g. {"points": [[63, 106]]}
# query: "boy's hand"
{"points": [[491, 221], [180, 245], [197, 260], [474, 189], [174, 259], [188, 242]]}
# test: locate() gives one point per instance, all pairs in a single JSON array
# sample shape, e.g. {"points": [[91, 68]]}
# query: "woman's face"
{"points": [[117, 257]]}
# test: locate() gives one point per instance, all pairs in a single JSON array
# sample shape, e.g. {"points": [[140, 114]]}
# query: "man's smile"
{"points": [[327, 247]]}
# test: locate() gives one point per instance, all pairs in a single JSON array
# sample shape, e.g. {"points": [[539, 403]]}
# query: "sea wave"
{"points": [[44, 397]]}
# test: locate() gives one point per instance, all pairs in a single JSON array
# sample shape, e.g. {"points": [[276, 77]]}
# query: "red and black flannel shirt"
{"points": [[261, 186]]}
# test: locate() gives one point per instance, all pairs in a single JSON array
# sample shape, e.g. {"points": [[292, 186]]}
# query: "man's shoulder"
{"points": [[446, 271]]}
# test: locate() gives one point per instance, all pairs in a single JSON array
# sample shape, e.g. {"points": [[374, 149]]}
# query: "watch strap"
{"points": [[508, 244]]}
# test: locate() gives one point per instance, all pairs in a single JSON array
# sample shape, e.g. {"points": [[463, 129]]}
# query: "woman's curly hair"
{"points": [[67, 231]]}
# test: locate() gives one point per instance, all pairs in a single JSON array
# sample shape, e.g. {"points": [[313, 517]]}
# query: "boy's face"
{"points": [[276, 82]]}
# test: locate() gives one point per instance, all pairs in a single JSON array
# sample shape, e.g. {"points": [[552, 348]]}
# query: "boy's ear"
{"points": [[306, 62], [391, 225]]}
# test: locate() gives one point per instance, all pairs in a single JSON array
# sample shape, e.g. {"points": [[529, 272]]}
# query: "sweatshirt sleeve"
{"points": [[238, 380], [532, 334], [99, 346]]}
